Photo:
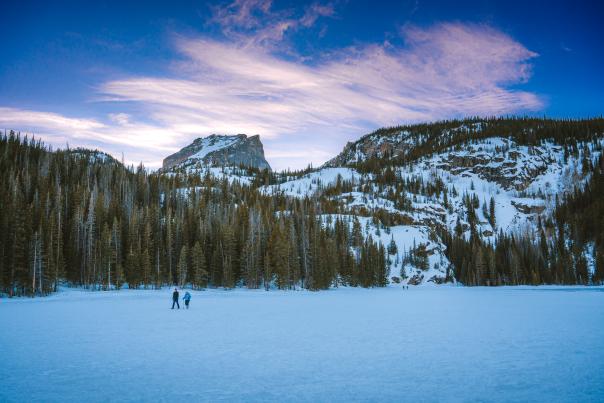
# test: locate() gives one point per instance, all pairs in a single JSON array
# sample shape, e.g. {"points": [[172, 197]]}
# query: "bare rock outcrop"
{"points": [[220, 150]]}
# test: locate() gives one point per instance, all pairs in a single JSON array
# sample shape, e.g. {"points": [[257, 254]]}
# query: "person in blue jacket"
{"points": [[187, 299]]}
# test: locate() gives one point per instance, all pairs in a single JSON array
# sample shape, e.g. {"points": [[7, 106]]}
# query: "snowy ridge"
{"points": [[523, 182], [391, 145], [309, 184]]}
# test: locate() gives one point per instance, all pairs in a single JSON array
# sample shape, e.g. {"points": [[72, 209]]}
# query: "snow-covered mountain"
{"points": [[408, 186], [478, 201], [219, 151], [458, 179]]}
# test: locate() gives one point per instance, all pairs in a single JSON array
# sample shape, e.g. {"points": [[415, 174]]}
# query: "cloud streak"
{"points": [[305, 112], [253, 23], [139, 142]]}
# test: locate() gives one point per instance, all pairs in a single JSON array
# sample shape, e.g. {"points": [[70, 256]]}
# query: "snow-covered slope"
{"points": [[518, 183], [405, 238], [309, 184]]}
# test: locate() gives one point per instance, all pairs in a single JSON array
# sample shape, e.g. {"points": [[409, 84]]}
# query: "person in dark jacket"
{"points": [[175, 299]]}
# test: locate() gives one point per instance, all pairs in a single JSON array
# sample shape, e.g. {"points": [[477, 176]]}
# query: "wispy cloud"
{"points": [[304, 111], [138, 141], [254, 23], [10, 116]]}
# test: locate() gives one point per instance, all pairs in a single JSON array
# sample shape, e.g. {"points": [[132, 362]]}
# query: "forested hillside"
{"points": [[505, 200], [85, 219], [567, 248], [479, 202]]}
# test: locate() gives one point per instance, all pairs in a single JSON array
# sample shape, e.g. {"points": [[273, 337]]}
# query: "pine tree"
{"points": [[146, 268], [116, 258], [392, 249], [278, 257], [199, 267], [598, 277], [183, 266], [492, 219], [18, 277], [132, 268], [37, 266], [267, 277], [216, 266], [107, 263]]}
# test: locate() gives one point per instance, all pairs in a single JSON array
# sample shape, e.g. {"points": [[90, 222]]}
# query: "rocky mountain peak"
{"points": [[220, 150]]}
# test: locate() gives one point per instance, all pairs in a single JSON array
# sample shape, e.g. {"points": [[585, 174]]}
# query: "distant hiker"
{"points": [[187, 299], [175, 299]]}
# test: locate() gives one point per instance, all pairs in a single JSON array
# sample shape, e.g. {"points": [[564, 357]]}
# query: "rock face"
{"points": [[500, 161], [496, 159], [374, 145], [220, 150]]}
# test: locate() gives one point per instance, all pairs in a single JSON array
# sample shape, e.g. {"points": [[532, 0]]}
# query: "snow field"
{"points": [[423, 344]]}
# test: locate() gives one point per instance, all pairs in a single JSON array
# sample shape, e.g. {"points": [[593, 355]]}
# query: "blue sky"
{"points": [[145, 79]]}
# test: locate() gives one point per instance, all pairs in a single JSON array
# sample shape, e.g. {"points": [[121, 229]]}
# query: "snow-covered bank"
{"points": [[422, 344]]}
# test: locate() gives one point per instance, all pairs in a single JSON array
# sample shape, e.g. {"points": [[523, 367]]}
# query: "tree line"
{"points": [[81, 218]]}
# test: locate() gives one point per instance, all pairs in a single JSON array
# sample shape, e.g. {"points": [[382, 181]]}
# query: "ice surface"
{"points": [[423, 344]]}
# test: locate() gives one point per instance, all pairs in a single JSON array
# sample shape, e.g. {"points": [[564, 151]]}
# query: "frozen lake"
{"points": [[423, 344]]}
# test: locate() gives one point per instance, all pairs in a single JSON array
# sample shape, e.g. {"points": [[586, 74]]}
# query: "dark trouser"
{"points": [[187, 303], [175, 301]]}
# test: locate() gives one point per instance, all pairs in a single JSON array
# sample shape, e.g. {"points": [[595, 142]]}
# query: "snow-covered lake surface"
{"points": [[422, 344]]}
